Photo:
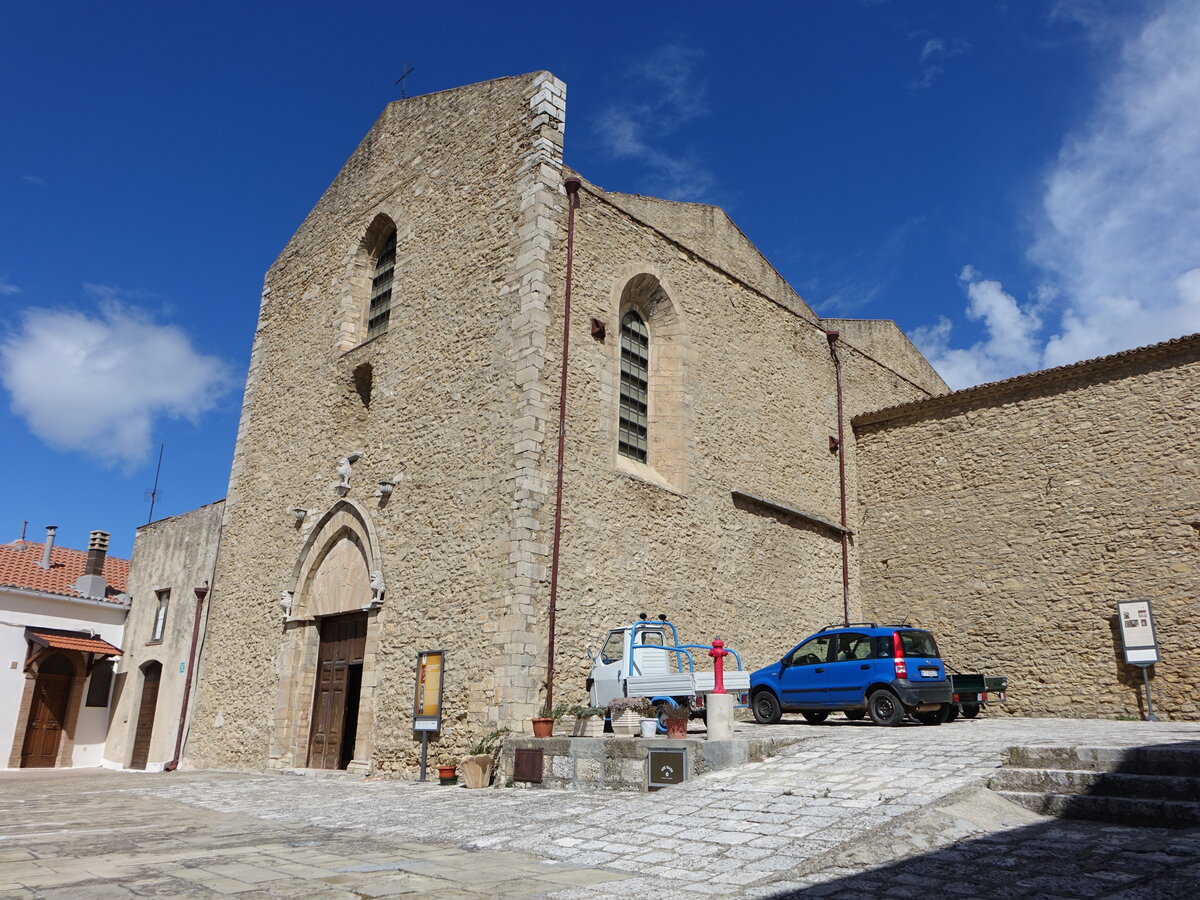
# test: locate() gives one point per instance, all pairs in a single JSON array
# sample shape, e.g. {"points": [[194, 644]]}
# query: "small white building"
{"points": [[62, 614]]}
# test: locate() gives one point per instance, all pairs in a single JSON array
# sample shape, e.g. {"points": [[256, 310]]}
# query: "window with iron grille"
{"points": [[632, 421], [381, 289]]}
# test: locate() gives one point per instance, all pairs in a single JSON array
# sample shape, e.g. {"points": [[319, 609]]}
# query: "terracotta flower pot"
{"points": [[477, 770], [543, 726], [677, 728], [446, 775]]}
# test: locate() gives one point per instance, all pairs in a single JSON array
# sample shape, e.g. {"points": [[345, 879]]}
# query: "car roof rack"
{"points": [[850, 625]]}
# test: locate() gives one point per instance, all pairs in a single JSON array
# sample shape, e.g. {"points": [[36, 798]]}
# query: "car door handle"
{"points": [[819, 670], [865, 666]]}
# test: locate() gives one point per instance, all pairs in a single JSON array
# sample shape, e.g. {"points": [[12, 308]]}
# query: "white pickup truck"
{"points": [[646, 659]]}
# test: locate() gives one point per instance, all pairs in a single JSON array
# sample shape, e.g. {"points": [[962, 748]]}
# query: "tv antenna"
{"points": [[408, 70], [153, 492]]}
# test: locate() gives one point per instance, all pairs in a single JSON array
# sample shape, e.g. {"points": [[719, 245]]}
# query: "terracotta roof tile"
{"points": [[71, 642], [19, 568]]}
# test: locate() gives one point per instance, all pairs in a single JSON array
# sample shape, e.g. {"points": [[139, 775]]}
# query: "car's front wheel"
{"points": [[814, 716], [884, 708], [766, 708]]}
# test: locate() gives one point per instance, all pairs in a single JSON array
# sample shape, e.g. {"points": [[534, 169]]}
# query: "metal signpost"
{"points": [[427, 699], [1141, 644]]}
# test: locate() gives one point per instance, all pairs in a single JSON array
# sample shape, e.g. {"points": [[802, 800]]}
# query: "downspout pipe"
{"points": [[572, 185], [832, 338], [201, 593]]}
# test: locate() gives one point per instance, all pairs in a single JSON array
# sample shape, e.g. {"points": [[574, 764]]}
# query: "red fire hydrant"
{"points": [[718, 653]]}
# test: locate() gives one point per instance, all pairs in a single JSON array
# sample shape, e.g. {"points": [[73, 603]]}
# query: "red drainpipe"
{"points": [[572, 185], [832, 337], [201, 593]]}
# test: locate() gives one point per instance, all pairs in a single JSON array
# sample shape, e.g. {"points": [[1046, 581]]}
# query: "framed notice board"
{"points": [[427, 698], [1136, 618]]}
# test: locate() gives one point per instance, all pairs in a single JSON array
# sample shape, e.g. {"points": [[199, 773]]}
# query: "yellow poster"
{"points": [[429, 684]]}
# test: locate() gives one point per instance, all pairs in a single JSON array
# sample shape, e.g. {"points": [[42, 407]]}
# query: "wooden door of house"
{"points": [[47, 713], [335, 700], [151, 676]]}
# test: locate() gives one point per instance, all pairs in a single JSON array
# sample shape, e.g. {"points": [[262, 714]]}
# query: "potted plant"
{"points": [[565, 715], [677, 719], [543, 725], [589, 722], [477, 767], [446, 775], [625, 713]]}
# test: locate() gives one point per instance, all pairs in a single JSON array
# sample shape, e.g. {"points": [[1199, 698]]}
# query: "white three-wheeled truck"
{"points": [[646, 659]]}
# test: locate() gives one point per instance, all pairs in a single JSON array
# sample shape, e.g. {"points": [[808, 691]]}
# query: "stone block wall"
{"points": [[1011, 518]]}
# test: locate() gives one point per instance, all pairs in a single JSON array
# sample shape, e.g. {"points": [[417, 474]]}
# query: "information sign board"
{"points": [[666, 767], [427, 700], [1136, 618]]}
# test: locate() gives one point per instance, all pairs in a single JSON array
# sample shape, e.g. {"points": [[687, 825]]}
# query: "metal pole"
{"points": [[424, 753], [1150, 717]]}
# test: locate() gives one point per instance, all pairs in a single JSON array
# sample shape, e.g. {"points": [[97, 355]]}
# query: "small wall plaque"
{"points": [[666, 767], [527, 766]]}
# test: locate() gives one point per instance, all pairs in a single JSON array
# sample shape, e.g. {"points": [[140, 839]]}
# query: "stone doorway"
{"points": [[47, 713], [144, 731], [338, 690]]}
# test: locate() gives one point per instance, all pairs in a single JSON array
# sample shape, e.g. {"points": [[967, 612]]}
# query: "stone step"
{"points": [[1123, 810], [1175, 760], [1105, 784]]}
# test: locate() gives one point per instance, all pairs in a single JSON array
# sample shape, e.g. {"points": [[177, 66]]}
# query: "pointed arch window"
{"points": [[633, 420], [380, 309]]}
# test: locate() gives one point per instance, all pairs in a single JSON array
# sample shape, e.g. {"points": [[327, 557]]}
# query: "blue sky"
{"points": [[1015, 183]]}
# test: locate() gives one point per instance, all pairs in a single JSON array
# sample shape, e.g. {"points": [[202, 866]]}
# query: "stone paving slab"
{"points": [[749, 832]]}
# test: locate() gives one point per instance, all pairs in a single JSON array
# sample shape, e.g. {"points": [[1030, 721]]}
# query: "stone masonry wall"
{"points": [[458, 173], [758, 406], [175, 554], [1011, 519]]}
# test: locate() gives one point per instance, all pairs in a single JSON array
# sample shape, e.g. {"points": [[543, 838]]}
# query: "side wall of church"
{"points": [[470, 179], [751, 411], [1011, 519]]}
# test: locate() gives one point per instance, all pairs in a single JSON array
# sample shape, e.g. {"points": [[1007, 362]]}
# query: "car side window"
{"points": [[614, 648], [811, 652], [852, 646]]}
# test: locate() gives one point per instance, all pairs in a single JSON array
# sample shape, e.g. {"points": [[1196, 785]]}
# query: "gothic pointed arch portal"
{"points": [[325, 710]]}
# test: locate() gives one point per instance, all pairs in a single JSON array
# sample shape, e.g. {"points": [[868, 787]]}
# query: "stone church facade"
{"points": [[393, 481]]}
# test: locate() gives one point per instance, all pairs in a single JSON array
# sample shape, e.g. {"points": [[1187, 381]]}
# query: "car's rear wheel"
{"points": [[884, 708], [970, 710], [814, 716], [766, 708], [953, 712], [937, 717], [854, 715]]}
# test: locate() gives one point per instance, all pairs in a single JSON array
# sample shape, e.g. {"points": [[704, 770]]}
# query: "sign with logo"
{"points": [[665, 767], [427, 702], [1136, 618]]}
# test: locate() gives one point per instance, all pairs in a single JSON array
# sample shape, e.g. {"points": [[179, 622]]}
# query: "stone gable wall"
{"points": [[1011, 526], [466, 175]]}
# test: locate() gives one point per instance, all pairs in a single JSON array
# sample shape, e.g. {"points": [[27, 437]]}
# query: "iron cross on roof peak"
{"points": [[408, 70]]}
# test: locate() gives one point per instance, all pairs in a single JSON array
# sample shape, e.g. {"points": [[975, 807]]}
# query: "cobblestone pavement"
{"points": [[843, 801]]}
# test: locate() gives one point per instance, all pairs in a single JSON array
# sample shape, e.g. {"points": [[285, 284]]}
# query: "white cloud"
{"points": [[671, 95], [6, 286], [34, 179], [933, 56], [96, 384], [1011, 343], [1118, 230]]}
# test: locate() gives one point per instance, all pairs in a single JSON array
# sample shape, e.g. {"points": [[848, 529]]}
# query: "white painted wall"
{"points": [[18, 611]]}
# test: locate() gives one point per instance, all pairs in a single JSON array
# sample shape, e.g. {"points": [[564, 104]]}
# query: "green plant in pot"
{"points": [[477, 767], [589, 722], [675, 718]]}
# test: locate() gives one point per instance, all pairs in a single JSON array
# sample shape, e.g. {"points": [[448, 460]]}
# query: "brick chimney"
{"points": [[91, 583]]}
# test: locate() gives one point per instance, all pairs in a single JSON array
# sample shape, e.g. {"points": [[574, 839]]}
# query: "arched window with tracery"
{"points": [[380, 309], [633, 425]]}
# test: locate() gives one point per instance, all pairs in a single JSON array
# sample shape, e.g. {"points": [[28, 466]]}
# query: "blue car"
{"points": [[859, 669]]}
